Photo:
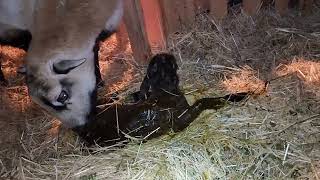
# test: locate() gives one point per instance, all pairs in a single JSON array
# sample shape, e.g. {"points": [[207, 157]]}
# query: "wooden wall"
{"points": [[150, 22]]}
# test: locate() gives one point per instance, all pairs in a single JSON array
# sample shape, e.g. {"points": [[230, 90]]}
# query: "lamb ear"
{"points": [[65, 66]]}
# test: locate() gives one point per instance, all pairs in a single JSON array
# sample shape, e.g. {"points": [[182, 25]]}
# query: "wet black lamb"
{"points": [[160, 107]]}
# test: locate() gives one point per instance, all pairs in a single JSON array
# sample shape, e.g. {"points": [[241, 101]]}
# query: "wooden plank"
{"points": [[176, 14], [267, 3], [218, 8], [153, 21], [134, 21], [306, 6], [251, 7], [188, 12], [201, 5], [169, 16], [282, 6]]}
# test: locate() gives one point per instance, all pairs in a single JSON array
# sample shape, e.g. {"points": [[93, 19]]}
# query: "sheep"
{"points": [[162, 108], [61, 74]]}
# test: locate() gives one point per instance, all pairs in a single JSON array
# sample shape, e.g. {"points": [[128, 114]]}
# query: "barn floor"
{"points": [[273, 135]]}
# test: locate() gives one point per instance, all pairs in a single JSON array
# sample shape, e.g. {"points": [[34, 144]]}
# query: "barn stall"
{"points": [[221, 48]]}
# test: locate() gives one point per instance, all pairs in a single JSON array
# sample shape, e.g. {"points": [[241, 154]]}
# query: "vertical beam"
{"points": [[153, 21], [134, 21], [170, 18], [251, 7], [176, 14], [306, 6], [188, 15], [218, 8], [282, 6], [201, 5]]}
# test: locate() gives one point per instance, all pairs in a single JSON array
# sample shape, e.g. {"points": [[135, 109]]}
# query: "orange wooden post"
{"points": [[251, 7], [134, 21], [176, 14], [282, 6], [218, 8], [153, 21]]}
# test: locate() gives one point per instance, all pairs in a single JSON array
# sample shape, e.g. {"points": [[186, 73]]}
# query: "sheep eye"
{"points": [[63, 97]]}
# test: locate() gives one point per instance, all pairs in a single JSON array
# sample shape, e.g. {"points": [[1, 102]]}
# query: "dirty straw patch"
{"points": [[273, 135]]}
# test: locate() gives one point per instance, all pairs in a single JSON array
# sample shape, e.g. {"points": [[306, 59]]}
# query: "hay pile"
{"points": [[273, 135]]}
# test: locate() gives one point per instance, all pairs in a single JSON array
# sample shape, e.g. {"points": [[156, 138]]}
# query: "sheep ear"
{"points": [[65, 66]]}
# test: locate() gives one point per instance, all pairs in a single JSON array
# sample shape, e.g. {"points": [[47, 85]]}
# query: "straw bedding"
{"points": [[273, 135]]}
